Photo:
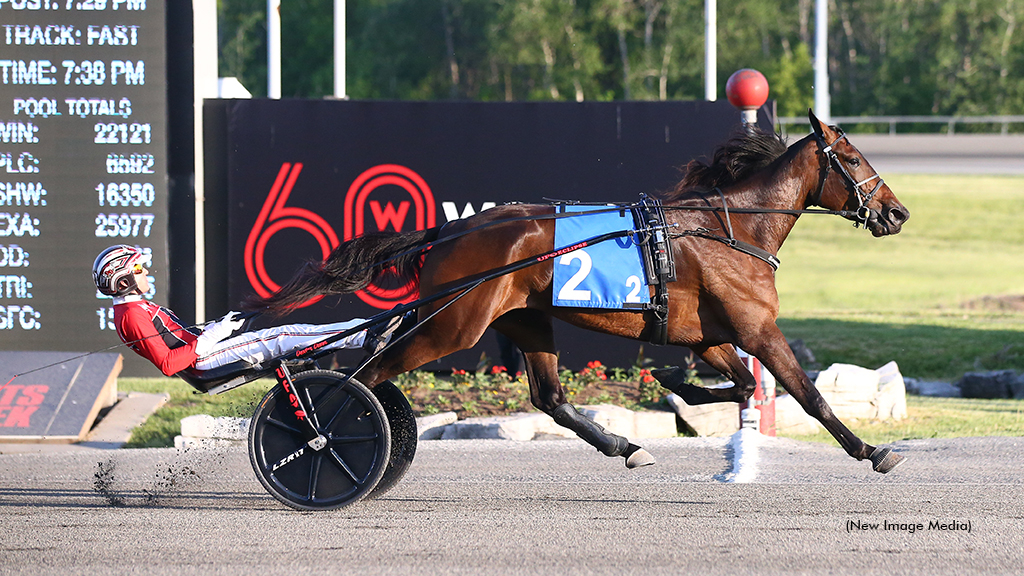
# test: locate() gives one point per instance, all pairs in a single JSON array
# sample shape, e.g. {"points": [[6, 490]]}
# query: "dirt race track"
{"points": [[555, 507]]}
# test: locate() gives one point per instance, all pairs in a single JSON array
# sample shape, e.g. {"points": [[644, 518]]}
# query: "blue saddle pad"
{"points": [[608, 274]]}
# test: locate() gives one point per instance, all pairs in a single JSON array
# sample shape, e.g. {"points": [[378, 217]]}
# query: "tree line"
{"points": [[886, 57]]}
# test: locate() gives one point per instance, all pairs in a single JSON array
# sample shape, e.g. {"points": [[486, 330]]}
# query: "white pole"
{"points": [[822, 102], [274, 49], [204, 76], [710, 50], [339, 49]]}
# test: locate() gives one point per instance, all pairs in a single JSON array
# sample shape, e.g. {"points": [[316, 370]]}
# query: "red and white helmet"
{"points": [[114, 269]]}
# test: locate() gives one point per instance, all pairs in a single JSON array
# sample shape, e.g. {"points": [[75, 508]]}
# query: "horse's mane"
{"points": [[744, 154]]}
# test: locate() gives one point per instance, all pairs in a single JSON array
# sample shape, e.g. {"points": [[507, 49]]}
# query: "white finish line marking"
{"points": [[744, 444]]}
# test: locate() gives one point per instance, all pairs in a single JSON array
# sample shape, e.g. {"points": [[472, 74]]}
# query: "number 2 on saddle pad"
{"points": [[608, 274]]}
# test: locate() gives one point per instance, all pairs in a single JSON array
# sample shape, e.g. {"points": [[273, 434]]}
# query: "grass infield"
{"points": [[939, 418], [943, 297]]}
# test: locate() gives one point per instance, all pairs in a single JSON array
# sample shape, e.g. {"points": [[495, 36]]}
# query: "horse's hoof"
{"points": [[672, 378], [638, 457], [883, 459]]}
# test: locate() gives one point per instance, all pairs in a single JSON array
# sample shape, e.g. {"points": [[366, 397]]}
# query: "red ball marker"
{"points": [[747, 89]]}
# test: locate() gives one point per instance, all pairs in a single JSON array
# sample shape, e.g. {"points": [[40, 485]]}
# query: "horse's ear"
{"points": [[816, 124]]}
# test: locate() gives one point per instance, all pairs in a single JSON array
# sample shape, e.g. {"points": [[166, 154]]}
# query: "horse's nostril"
{"points": [[897, 216]]}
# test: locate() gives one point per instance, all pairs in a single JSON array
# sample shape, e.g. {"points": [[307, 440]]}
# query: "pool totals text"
{"points": [[83, 108]]}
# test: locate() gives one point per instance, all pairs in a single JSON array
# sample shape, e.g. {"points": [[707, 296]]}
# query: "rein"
{"points": [[422, 248], [737, 210], [246, 316]]}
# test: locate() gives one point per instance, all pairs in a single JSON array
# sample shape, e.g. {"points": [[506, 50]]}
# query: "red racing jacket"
{"points": [[155, 333]]}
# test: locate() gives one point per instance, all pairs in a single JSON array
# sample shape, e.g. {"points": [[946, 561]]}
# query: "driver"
{"points": [[156, 334]]}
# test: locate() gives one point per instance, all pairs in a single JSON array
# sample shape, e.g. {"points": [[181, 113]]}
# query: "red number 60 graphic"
{"points": [[275, 217]]}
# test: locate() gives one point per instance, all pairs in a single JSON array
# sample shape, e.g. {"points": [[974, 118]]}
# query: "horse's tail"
{"points": [[351, 266]]}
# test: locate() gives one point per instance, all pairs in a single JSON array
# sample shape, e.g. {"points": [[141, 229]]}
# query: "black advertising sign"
{"points": [[306, 175], [82, 161]]}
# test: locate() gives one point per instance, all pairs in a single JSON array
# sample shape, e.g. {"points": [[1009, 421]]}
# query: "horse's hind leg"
{"points": [[722, 358], [531, 331]]}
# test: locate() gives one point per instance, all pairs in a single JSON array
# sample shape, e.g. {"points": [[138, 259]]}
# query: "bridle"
{"points": [[830, 160]]}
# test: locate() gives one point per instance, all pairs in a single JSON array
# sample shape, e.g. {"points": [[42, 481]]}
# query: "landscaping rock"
{"points": [[1017, 388], [891, 401], [654, 424], [615, 419], [432, 427], [790, 417], [638, 424], [521, 428], [992, 384], [721, 419], [190, 443], [205, 431], [803, 354], [849, 390], [931, 388], [724, 420], [856, 392]]}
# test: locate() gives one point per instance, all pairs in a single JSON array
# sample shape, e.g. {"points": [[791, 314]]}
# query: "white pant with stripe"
{"points": [[260, 345]]}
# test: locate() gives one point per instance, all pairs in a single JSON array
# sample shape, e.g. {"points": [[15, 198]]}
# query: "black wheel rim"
{"points": [[349, 467]]}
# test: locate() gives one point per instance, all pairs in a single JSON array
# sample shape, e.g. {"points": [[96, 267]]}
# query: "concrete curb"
{"points": [[432, 427], [539, 426], [206, 431]]}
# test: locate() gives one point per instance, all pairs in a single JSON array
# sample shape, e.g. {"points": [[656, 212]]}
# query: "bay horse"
{"points": [[722, 298]]}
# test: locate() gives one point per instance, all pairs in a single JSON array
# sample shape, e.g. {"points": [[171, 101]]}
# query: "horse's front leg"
{"points": [[531, 331], [773, 351]]}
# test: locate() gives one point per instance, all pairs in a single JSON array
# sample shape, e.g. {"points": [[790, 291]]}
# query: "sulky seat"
{"points": [[225, 377]]}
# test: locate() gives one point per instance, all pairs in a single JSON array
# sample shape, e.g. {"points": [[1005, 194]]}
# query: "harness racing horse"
{"points": [[722, 297]]}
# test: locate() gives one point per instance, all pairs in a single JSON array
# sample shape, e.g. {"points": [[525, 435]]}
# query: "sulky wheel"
{"points": [[350, 465], [403, 435]]}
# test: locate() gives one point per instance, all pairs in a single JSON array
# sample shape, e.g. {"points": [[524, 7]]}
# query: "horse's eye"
{"points": [[854, 161]]}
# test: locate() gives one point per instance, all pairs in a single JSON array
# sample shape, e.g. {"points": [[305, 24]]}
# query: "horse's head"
{"points": [[847, 182]]}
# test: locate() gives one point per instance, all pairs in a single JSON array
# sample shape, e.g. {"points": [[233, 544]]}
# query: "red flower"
{"points": [[498, 369]]}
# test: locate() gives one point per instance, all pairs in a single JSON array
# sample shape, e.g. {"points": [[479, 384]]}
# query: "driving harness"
{"points": [[659, 264]]}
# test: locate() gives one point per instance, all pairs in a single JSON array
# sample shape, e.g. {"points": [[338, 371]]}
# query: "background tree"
{"points": [[885, 56]]}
